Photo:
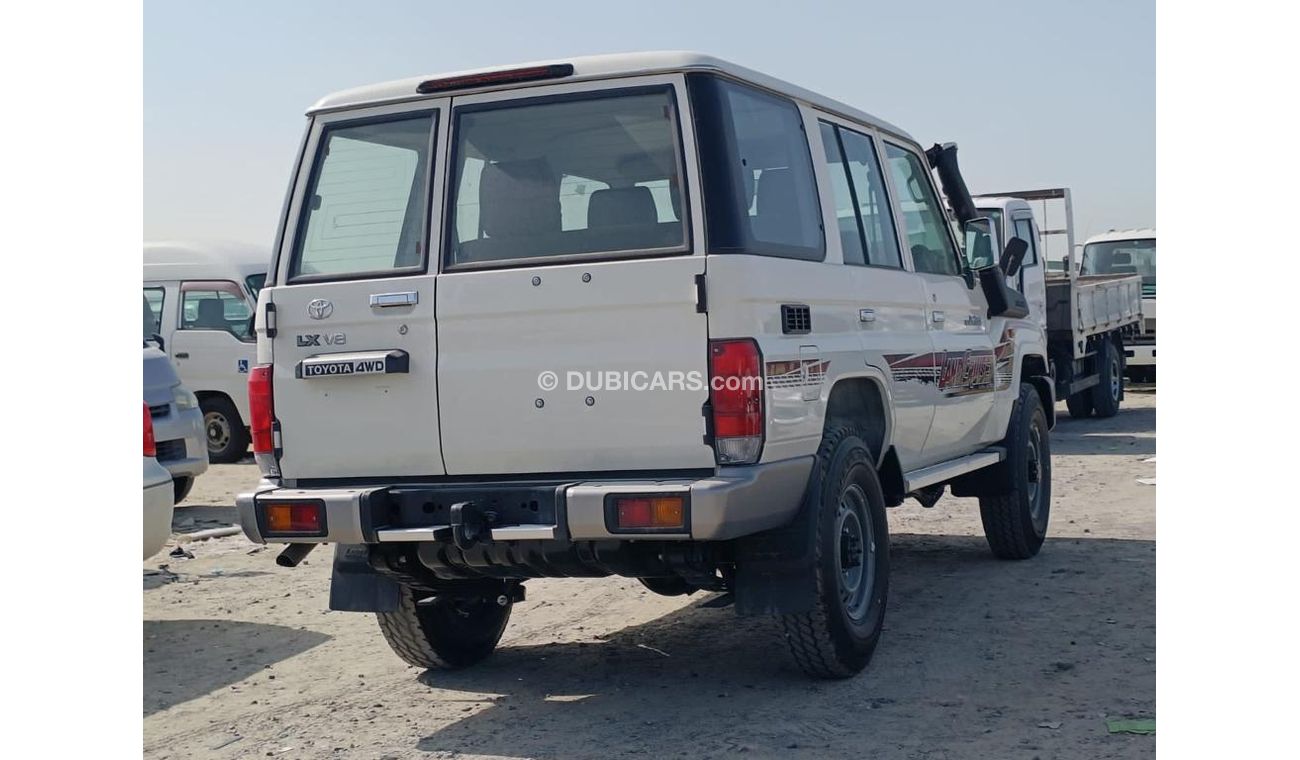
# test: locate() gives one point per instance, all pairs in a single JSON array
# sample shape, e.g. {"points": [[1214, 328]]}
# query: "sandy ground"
{"points": [[979, 658]]}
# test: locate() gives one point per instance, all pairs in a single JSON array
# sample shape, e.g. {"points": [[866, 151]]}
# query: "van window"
{"points": [[582, 175], [215, 310], [153, 306], [364, 208], [927, 231], [757, 172]]}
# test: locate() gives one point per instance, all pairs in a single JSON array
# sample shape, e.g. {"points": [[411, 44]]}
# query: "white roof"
{"points": [[172, 260], [600, 67], [1134, 234]]}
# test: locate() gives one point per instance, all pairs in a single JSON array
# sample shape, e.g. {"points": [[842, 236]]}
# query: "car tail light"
{"points": [[261, 425], [293, 518], [150, 445], [736, 396], [646, 513]]}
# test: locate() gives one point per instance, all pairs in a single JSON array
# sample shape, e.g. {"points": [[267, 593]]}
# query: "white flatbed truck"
{"points": [[1089, 318]]}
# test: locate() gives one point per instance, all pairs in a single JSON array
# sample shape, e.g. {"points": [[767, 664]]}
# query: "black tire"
{"points": [[1080, 404], [851, 556], [182, 488], [1107, 394], [448, 633], [1015, 520], [224, 430]]}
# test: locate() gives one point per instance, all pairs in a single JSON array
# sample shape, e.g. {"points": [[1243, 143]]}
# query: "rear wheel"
{"points": [[1107, 393], [851, 555], [225, 432], [1080, 404], [448, 632], [1015, 514], [182, 488]]}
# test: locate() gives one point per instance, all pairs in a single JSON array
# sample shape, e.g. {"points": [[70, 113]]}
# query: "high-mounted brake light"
{"points": [[528, 74], [261, 423], [736, 396], [150, 445]]}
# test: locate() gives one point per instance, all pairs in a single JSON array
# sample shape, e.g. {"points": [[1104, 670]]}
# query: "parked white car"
{"points": [[157, 493], [692, 325], [177, 422], [198, 299]]}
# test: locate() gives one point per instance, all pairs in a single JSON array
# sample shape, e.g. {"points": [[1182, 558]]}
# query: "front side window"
{"points": [[1025, 231], [587, 175], [153, 306], [215, 309], [365, 206], [926, 230], [759, 189]]}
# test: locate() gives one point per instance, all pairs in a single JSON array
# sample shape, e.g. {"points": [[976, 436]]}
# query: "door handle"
{"points": [[182, 355], [388, 300], [866, 315], [937, 317]]}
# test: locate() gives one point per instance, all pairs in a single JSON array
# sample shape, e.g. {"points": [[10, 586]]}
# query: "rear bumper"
{"points": [[1140, 355], [737, 501]]}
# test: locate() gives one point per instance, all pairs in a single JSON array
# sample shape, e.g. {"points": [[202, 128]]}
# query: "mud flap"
{"points": [[356, 587], [775, 574]]}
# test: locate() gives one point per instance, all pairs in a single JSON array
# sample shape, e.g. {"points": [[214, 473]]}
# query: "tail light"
{"points": [[150, 445], [736, 395], [261, 425]]}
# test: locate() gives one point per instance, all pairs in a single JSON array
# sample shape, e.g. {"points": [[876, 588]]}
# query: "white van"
{"points": [[198, 300]]}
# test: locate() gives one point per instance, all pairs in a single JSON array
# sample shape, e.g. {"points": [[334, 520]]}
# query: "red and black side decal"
{"points": [[956, 373]]}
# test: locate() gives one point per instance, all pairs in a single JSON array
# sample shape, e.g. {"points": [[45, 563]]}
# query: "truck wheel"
{"points": [[182, 488], [1107, 394], [851, 556], [1015, 521], [447, 633], [1080, 404], [226, 435]]}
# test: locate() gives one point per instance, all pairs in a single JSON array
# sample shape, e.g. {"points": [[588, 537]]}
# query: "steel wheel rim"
{"points": [[1034, 476], [1114, 379], [218, 430], [855, 552]]}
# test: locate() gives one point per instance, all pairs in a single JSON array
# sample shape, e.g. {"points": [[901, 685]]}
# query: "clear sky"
{"points": [[1037, 93]]}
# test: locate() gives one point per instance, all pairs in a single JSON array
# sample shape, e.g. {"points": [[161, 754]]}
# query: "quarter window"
{"points": [[926, 230], [364, 208]]}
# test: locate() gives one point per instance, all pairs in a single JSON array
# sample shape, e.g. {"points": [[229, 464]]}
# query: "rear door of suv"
{"points": [[356, 346], [570, 334]]}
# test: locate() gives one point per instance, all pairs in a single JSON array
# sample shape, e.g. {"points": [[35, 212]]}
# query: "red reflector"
{"points": [[736, 395], [261, 409], [150, 446], [529, 74], [294, 517]]}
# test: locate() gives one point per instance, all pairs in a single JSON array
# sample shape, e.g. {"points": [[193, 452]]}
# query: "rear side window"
{"points": [[584, 175], [927, 231], [860, 196], [757, 171], [365, 206]]}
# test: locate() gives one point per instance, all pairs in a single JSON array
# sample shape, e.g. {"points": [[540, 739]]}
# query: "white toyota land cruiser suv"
{"points": [[650, 315]]}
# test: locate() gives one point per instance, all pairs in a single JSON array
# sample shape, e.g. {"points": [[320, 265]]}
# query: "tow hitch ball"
{"points": [[293, 554]]}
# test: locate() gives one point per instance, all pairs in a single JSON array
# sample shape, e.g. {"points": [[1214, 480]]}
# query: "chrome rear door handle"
{"points": [[937, 317], [866, 315], [388, 300]]}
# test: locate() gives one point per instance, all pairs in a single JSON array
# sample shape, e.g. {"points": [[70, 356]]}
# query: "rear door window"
{"points": [[584, 175], [867, 187], [366, 203]]}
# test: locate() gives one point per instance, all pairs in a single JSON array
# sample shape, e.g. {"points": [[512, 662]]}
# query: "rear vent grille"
{"points": [[796, 319], [172, 450], [159, 411]]}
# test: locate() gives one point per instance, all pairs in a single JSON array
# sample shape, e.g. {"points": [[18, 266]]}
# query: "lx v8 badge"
{"points": [[330, 339]]}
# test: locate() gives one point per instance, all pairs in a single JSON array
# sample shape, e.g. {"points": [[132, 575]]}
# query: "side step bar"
{"points": [[938, 473]]}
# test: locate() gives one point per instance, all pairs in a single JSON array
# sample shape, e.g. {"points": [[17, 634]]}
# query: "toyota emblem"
{"points": [[319, 308]]}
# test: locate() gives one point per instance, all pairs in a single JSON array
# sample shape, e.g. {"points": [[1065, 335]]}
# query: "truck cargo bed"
{"points": [[1101, 303]]}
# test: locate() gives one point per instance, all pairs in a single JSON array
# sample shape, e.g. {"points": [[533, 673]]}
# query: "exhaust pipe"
{"points": [[293, 554]]}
